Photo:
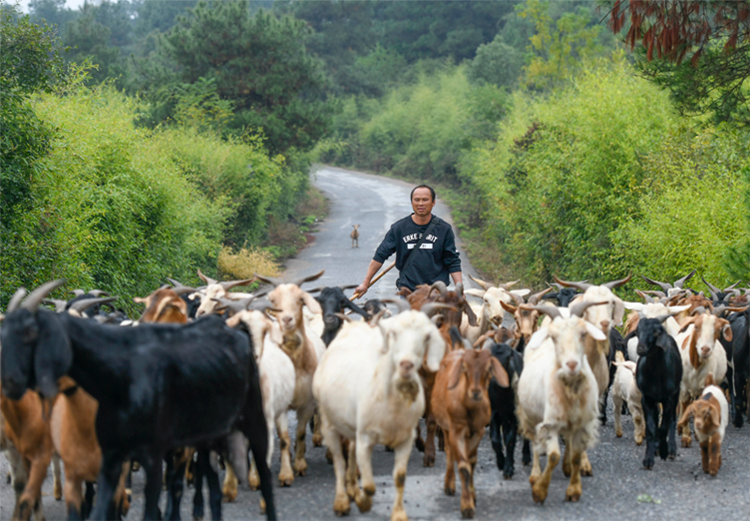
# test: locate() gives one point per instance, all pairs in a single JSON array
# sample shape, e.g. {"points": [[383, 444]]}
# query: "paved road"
{"points": [[679, 489]]}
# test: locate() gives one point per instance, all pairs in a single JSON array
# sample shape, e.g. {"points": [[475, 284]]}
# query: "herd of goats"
{"points": [[102, 393]]}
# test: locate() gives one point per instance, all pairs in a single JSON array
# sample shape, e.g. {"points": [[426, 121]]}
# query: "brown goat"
{"points": [[164, 306], [355, 236], [462, 408], [526, 315], [28, 429]]}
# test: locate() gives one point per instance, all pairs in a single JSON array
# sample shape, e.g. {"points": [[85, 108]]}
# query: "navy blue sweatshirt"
{"points": [[434, 261]]}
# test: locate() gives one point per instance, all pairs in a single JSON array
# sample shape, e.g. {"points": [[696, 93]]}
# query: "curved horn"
{"points": [[400, 303], [181, 290], [679, 282], [714, 290], [59, 304], [440, 286], [98, 293], [345, 318], [508, 285], [431, 308], [309, 278], [16, 299], [657, 293], [568, 284], [536, 297], [617, 283], [663, 285], [348, 286], [35, 297], [730, 288], [82, 305], [548, 310], [518, 300], [555, 285], [233, 306], [485, 285], [77, 292], [269, 280], [579, 308], [233, 283], [648, 298], [698, 311], [204, 278], [719, 310]]}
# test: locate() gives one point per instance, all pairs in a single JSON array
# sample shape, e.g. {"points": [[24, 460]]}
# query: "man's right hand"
{"points": [[361, 289]]}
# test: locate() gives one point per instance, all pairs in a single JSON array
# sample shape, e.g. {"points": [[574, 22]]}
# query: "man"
{"points": [[435, 259]]}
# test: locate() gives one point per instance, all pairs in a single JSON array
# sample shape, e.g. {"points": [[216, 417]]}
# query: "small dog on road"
{"points": [[355, 236]]}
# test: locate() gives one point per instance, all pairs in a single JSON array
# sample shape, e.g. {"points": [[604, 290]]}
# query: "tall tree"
{"points": [[53, 12], [259, 63]]}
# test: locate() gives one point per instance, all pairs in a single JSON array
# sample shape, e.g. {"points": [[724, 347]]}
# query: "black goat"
{"points": [[151, 382], [563, 295], [658, 375], [332, 300], [374, 306], [503, 422]]}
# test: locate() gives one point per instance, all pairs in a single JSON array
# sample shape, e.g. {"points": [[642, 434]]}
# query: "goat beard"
{"points": [[569, 381], [408, 389]]}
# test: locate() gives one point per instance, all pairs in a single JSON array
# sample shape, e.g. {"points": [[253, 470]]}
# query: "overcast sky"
{"points": [[71, 4]]}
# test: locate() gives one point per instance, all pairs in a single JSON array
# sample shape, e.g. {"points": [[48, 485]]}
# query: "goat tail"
{"points": [[266, 486]]}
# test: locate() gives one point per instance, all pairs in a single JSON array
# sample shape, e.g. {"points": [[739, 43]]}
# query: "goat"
{"points": [[710, 417], [658, 375], [669, 289], [526, 315], [702, 354], [564, 295], [625, 390], [214, 290], [374, 306], [504, 423], [369, 391], [490, 312], [355, 236], [204, 369], [558, 395], [332, 301], [277, 382], [305, 350], [462, 409]]}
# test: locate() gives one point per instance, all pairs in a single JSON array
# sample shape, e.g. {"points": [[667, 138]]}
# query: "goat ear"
{"points": [[455, 375], [470, 314], [686, 416], [435, 350], [619, 312], [687, 323], [311, 303], [633, 306], [594, 331], [726, 329], [499, 372], [538, 338], [664, 341], [715, 418], [385, 332], [53, 356], [275, 333]]}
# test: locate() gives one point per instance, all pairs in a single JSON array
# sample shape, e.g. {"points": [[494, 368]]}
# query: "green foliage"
{"points": [[89, 41], [557, 47], [496, 63], [260, 65]]}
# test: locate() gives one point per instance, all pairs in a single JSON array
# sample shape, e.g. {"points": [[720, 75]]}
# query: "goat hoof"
{"points": [[686, 442], [538, 496], [508, 473], [317, 440], [388, 449], [467, 513], [587, 472], [449, 491], [648, 463], [573, 497], [618, 433], [429, 461], [286, 482], [341, 506]]}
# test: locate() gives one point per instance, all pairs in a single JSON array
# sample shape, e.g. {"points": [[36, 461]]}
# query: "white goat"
{"points": [[625, 390], [490, 312], [702, 354], [369, 391], [558, 396]]}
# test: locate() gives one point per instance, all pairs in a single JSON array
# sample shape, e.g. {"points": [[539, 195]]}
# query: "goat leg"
{"points": [[152, 466], [399, 477], [109, 477], [510, 431], [651, 414], [174, 475], [341, 503], [364, 460], [257, 435]]}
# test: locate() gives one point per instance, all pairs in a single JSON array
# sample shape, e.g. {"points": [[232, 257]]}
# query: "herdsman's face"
{"points": [[421, 202]]}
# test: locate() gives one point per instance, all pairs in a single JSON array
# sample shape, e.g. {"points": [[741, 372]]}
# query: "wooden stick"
{"points": [[377, 278]]}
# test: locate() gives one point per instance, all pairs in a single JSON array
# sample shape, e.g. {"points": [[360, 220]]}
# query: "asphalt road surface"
{"points": [[619, 490]]}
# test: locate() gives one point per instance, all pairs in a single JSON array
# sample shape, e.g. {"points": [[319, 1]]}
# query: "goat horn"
{"points": [[77, 292], [35, 297], [348, 286], [232, 283], [82, 305], [181, 290], [719, 310], [16, 299], [269, 280], [582, 285], [656, 292], [663, 285], [345, 318], [518, 300], [440, 286], [376, 318], [309, 278], [698, 311], [730, 288], [400, 303], [648, 298], [485, 285], [204, 278], [714, 289], [98, 293], [679, 282], [555, 285], [579, 308], [617, 283], [548, 310], [536, 297], [59, 304], [431, 308], [508, 285], [233, 306]]}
